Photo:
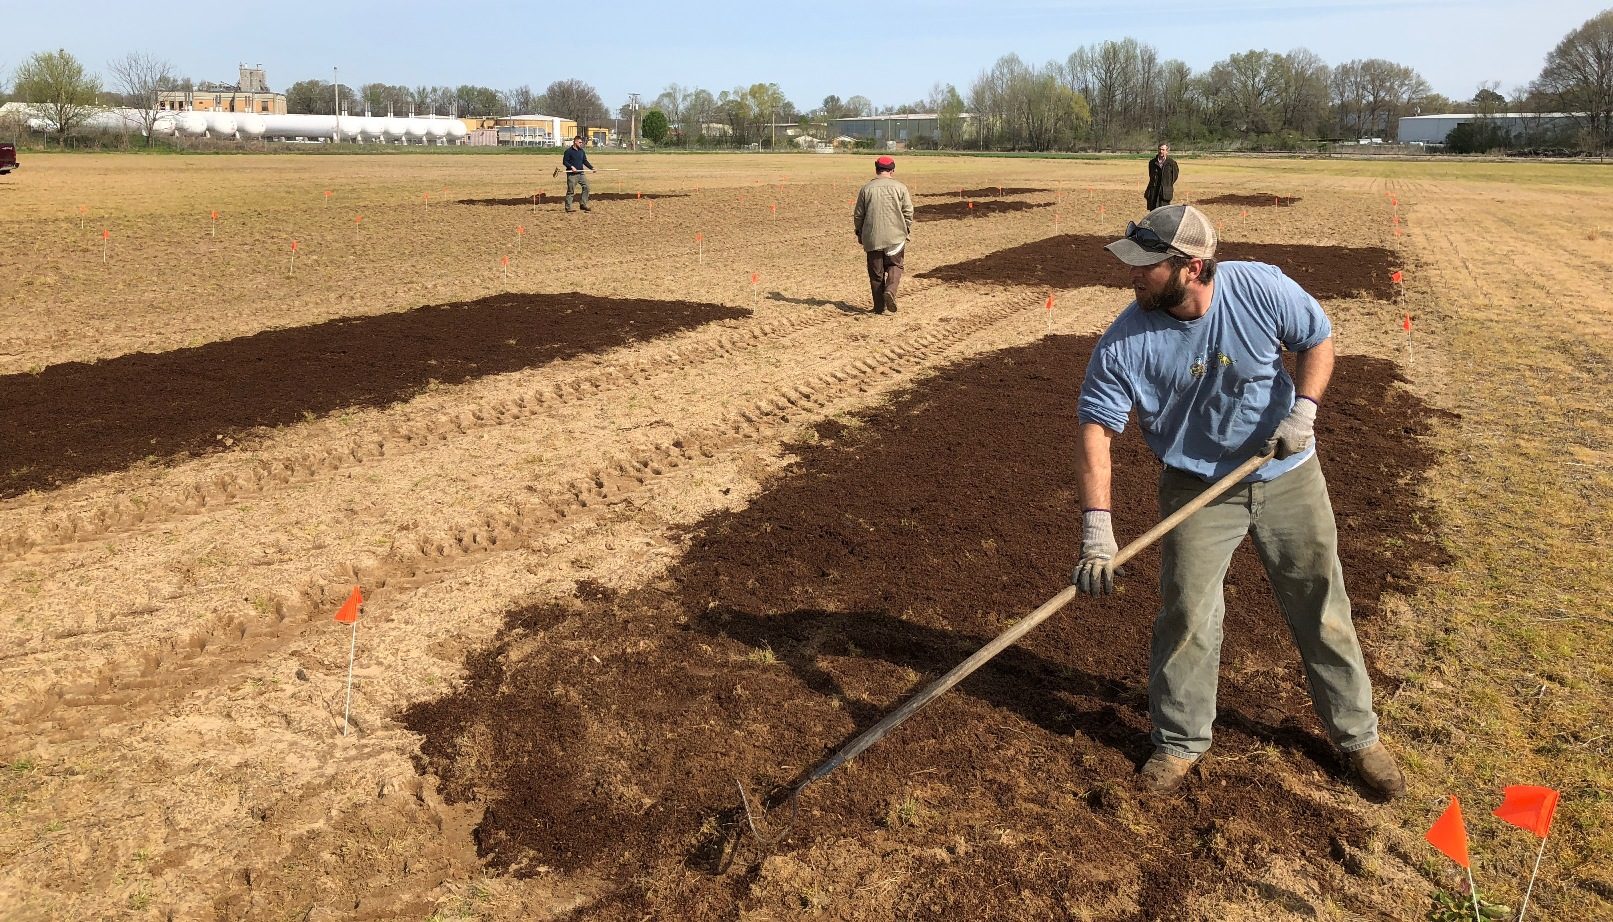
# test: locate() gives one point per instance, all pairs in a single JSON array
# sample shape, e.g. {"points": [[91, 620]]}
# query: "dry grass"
{"points": [[1509, 673]]}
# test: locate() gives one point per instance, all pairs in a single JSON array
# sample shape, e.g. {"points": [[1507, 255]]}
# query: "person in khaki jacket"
{"points": [[884, 220]]}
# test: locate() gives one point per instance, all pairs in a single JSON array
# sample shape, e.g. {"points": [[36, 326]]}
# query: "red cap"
{"points": [[884, 163]]}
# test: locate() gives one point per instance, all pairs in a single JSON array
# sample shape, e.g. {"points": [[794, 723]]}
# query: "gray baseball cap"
{"points": [[1172, 230]]}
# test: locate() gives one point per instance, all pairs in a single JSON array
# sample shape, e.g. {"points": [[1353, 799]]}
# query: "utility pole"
{"points": [[336, 103], [632, 119]]}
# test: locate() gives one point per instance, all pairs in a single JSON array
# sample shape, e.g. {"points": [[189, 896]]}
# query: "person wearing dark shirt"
{"points": [[576, 161], [1162, 173]]}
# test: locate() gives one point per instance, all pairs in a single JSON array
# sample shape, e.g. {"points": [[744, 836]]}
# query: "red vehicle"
{"points": [[8, 158]]}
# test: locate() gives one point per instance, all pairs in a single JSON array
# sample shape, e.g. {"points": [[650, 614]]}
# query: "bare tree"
{"points": [[673, 102], [574, 100], [1175, 99], [1302, 91], [1244, 90], [1578, 76], [521, 101], [142, 78], [699, 110], [58, 90]]}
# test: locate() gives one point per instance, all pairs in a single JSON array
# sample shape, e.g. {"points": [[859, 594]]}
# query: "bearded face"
{"points": [[1167, 294]]}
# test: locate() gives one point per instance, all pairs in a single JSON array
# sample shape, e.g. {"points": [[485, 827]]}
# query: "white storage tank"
{"points": [[416, 129], [249, 126], [437, 128], [191, 124], [298, 126], [371, 128], [457, 130], [220, 125], [350, 126], [394, 128]]}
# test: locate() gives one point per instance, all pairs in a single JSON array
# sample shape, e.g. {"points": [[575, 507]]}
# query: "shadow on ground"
{"points": [[606, 736], [840, 306]]}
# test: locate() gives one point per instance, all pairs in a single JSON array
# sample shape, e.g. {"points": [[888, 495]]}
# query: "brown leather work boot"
{"points": [[1377, 770], [1163, 773], [890, 302]]}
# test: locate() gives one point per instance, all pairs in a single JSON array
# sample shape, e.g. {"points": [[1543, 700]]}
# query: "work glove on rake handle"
{"points": [[1295, 432], [1095, 574]]}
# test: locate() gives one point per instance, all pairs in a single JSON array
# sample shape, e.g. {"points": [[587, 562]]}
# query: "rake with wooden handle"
{"points": [[961, 671]]}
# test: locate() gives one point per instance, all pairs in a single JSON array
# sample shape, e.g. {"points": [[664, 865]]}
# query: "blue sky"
{"points": [[891, 51]]}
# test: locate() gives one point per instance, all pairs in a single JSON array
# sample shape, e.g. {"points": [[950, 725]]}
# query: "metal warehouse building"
{"points": [[1433, 129], [899, 130]]}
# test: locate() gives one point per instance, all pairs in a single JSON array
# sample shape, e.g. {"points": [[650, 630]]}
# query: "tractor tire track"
{"points": [[116, 690], [132, 511]]}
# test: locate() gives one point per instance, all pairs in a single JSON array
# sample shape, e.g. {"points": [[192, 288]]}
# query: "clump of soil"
{"points": [[77, 419], [546, 198], [606, 736], [1080, 260], [1252, 200], [955, 211], [984, 192]]}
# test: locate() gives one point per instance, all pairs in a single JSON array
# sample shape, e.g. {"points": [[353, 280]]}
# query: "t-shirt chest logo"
{"points": [[1203, 363]]}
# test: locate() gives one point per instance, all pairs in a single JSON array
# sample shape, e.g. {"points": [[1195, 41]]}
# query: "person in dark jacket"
{"points": [[1161, 179], [576, 161]]}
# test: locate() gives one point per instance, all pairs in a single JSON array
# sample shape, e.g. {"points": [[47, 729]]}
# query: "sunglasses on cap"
{"points": [[1147, 239]]}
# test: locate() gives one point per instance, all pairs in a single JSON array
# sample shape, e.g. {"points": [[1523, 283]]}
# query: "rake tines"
{"points": [[765, 841]]}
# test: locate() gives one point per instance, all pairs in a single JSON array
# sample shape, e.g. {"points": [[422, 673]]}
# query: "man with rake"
{"points": [[575, 161], [1198, 357]]}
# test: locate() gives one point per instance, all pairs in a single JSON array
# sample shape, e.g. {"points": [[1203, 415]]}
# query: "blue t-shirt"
{"points": [[1210, 392]]}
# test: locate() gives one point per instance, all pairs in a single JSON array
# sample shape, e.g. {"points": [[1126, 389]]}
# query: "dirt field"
{"points": [[634, 557]]}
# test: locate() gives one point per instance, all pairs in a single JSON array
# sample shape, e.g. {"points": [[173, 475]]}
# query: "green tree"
{"points": [[1487, 102], [58, 90], [478, 101], [316, 97], [655, 126], [384, 99], [949, 116], [1244, 90], [1479, 136]]}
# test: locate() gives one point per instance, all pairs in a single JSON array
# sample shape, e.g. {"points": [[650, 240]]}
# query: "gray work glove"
{"points": [[1295, 432], [1095, 574]]}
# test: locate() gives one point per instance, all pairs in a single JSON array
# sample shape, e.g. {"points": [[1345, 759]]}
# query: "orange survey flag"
{"points": [[348, 613], [1396, 277], [1529, 807], [1449, 833]]}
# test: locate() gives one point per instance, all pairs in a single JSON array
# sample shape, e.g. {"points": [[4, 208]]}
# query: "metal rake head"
{"points": [[767, 841]]}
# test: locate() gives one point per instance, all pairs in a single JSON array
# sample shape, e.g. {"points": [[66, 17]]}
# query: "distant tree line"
{"points": [[1107, 95]]}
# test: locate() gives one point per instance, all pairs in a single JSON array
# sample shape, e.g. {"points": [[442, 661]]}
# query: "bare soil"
{"points": [[1251, 200], [76, 419], [547, 198], [1080, 260], [605, 736], [957, 211], [985, 192]]}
